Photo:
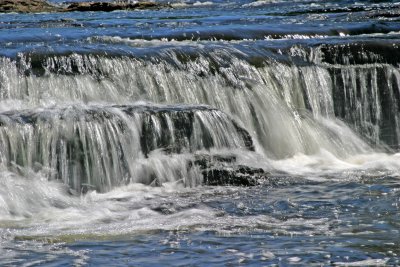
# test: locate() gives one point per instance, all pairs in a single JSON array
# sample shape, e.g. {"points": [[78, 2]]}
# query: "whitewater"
{"points": [[208, 133]]}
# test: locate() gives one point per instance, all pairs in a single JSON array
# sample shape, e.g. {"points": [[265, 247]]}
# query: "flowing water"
{"points": [[126, 138]]}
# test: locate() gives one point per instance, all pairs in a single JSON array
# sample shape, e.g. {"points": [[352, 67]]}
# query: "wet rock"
{"points": [[107, 7], [27, 6], [223, 170], [248, 141], [86, 145], [182, 120], [35, 6], [236, 175], [205, 161]]}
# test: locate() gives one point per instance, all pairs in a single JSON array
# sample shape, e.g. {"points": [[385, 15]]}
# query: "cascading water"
{"points": [[101, 147], [206, 133], [305, 100]]}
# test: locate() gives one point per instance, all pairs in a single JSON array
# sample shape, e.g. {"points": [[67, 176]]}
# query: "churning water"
{"points": [[212, 133]]}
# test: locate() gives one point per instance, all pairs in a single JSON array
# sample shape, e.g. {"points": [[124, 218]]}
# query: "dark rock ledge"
{"points": [[35, 6], [223, 170], [103, 6]]}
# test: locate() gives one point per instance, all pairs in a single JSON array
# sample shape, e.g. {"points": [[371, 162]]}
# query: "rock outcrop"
{"points": [[36, 6], [224, 170], [107, 7], [27, 6]]}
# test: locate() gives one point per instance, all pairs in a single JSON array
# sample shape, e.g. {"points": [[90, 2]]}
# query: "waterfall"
{"points": [[99, 147], [259, 97], [314, 101]]}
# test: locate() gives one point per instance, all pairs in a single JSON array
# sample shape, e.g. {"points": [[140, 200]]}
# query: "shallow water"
{"points": [[295, 222], [103, 115]]}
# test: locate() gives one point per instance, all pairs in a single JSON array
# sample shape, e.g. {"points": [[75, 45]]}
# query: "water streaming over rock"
{"points": [[100, 147], [288, 108], [213, 132]]}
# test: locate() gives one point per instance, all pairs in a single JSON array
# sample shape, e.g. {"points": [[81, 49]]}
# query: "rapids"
{"points": [[212, 133]]}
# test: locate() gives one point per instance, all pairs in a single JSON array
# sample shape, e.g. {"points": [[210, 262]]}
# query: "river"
{"points": [[210, 133]]}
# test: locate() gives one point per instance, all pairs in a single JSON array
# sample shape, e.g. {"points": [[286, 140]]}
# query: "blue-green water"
{"points": [[103, 115]]}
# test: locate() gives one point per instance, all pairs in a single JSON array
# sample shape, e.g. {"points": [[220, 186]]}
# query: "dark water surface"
{"points": [[103, 117]]}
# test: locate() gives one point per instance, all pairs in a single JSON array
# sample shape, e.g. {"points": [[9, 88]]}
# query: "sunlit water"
{"points": [[103, 115]]}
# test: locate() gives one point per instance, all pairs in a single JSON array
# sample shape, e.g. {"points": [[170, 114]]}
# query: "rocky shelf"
{"points": [[36, 6]]}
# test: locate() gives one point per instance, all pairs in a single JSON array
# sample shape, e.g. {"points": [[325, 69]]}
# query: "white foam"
{"points": [[179, 5], [259, 3], [296, 37], [325, 164], [34, 207], [206, 3], [368, 262]]}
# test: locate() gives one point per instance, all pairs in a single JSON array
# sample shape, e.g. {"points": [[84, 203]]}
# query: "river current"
{"points": [[210, 133]]}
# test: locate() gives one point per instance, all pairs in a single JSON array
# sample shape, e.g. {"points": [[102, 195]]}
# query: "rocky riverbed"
{"points": [[36, 6]]}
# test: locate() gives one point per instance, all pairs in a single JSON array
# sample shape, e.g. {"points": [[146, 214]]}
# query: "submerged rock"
{"points": [[35, 6]]}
